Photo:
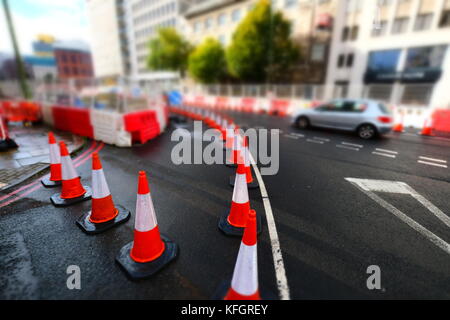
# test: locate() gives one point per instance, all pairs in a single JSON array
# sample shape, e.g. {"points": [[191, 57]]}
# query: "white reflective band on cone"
{"points": [[55, 156], [237, 142], [240, 191], [246, 157], [68, 170], [100, 188], [2, 130], [145, 213], [245, 275]]}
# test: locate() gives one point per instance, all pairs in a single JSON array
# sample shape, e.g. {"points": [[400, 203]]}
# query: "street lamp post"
{"points": [[19, 62]]}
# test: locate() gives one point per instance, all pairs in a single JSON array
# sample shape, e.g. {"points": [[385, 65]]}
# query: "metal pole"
{"points": [[19, 63]]}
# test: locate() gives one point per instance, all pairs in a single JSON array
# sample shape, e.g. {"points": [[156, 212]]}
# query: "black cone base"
{"points": [[223, 288], [138, 270], [231, 165], [233, 231], [57, 201], [253, 185], [94, 228], [46, 182]]}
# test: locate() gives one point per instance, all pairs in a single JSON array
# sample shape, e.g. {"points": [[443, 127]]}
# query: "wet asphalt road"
{"points": [[329, 230]]}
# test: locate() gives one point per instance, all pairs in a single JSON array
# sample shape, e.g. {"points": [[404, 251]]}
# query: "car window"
{"points": [[383, 108]]}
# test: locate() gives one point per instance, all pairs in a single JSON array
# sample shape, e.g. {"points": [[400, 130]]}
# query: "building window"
{"points": [[445, 19], [341, 60], [380, 29], [289, 3], [425, 57], [354, 33], [423, 22], [318, 52], [385, 60], [340, 89], [345, 33], [400, 25], [221, 19], [208, 23], [350, 58], [417, 94], [380, 92], [236, 15]]}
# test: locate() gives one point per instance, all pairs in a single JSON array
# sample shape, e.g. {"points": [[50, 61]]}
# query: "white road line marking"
{"points": [[292, 137], [322, 139], [352, 144], [297, 134], [399, 214], [280, 272], [346, 147], [433, 159], [387, 151], [432, 164], [384, 154], [315, 141]]}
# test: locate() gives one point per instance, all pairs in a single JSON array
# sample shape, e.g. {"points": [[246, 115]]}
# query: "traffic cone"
{"points": [[72, 191], [235, 154], [244, 282], [399, 126], [229, 137], [103, 215], [251, 182], [233, 223], [55, 164], [150, 251], [427, 129]]}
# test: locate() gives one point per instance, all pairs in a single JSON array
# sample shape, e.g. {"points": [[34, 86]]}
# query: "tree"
{"points": [[261, 49], [168, 51], [206, 63]]}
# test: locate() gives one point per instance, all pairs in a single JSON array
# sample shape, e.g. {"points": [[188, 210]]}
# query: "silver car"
{"points": [[365, 117]]}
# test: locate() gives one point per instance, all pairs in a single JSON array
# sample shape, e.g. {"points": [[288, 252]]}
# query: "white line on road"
{"points": [[403, 188], [432, 164], [297, 134], [315, 141], [322, 139], [433, 159], [346, 147], [384, 154], [292, 137], [280, 272], [352, 144], [387, 151]]}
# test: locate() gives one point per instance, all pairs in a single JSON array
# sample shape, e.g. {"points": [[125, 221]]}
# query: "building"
{"points": [[42, 67], [396, 51], [109, 34], [73, 60], [144, 18], [311, 21], [43, 47]]}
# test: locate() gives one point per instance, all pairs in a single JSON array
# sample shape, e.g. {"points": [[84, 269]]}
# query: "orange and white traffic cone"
{"points": [[104, 214], [55, 164], [399, 126], [427, 128], [251, 182], [244, 283], [72, 191], [235, 155], [150, 251], [233, 223]]}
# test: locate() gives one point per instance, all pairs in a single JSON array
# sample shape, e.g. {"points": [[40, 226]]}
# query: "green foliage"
{"points": [[261, 48], [168, 51], [207, 63]]}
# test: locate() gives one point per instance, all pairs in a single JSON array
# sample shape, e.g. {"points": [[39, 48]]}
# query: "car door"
{"points": [[320, 115], [351, 114]]}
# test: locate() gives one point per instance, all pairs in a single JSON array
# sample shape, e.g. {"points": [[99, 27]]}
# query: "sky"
{"points": [[64, 19]]}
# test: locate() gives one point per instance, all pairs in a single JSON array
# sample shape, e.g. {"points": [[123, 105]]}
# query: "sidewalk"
{"points": [[32, 155]]}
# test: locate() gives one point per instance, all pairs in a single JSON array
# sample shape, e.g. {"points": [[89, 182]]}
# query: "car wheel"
{"points": [[367, 131], [302, 123]]}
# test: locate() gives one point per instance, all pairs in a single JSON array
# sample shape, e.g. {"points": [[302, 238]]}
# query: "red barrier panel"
{"points": [[143, 125], [441, 121], [279, 107], [74, 120], [248, 104], [222, 102]]}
